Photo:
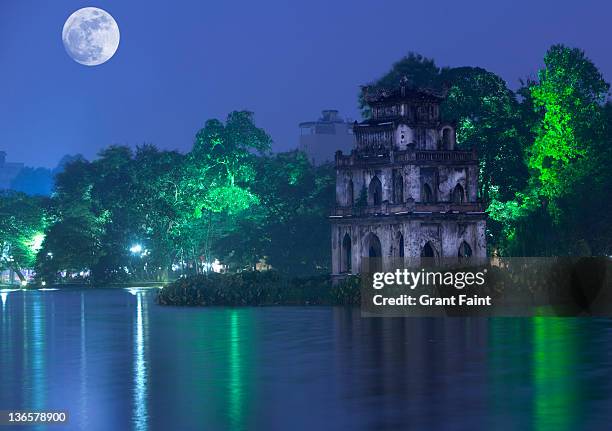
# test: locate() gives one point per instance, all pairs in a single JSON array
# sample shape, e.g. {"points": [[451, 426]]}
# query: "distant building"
{"points": [[8, 171], [322, 138]]}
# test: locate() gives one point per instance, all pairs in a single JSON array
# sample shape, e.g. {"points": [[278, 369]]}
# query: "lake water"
{"points": [[117, 361]]}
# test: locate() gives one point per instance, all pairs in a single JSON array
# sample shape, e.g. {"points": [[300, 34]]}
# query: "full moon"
{"points": [[91, 36]]}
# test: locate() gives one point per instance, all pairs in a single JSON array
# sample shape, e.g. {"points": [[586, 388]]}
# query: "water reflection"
{"points": [[4, 296], [116, 360], [236, 391], [83, 365], [556, 395], [140, 365], [34, 359]]}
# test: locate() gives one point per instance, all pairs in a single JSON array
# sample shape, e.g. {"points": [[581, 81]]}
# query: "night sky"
{"points": [[182, 62]]}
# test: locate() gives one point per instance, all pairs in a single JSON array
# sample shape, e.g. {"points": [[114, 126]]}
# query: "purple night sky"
{"points": [[180, 63]]}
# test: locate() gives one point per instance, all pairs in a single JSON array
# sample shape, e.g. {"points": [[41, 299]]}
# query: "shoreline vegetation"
{"points": [[254, 288]]}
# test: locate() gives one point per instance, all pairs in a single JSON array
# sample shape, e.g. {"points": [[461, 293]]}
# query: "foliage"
{"points": [[288, 230], [570, 94], [217, 178], [140, 214], [254, 288], [223, 157], [565, 207], [102, 208], [544, 151], [22, 226], [488, 118]]}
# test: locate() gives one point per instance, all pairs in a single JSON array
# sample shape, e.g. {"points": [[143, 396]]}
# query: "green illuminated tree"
{"points": [[288, 229], [220, 170], [570, 94], [565, 208], [223, 157], [22, 226]]}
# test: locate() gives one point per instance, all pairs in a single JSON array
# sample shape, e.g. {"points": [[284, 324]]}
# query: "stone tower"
{"points": [[405, 191]]}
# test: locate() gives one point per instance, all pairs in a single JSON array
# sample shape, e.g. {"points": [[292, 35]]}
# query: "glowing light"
{"points": [[136, 248], [36, 242]]}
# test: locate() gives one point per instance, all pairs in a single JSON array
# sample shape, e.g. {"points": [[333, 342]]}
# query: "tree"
{"points": [[104, 210], [570, 94], [488, 118], [564, 208], [22, 225], [220, 169], [289, 228], [73, 237]]}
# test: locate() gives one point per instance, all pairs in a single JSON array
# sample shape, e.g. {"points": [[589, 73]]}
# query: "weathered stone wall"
{"points": [[404, 135], [448, 178], [444, 236], [441, 179]]}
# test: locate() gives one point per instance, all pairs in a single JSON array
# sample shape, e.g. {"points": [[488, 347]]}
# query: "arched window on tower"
{"points": [[458, 194], [373, 251], [350, 194], [375, 192], [398, 189], [346, 256], [400, 245], [427, 194], [465, 251], [428, 250], [447, 142]]}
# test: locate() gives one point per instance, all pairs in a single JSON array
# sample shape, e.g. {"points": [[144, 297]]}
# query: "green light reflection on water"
{"points": [[240, 362], [554, 363], [235, 371]]}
